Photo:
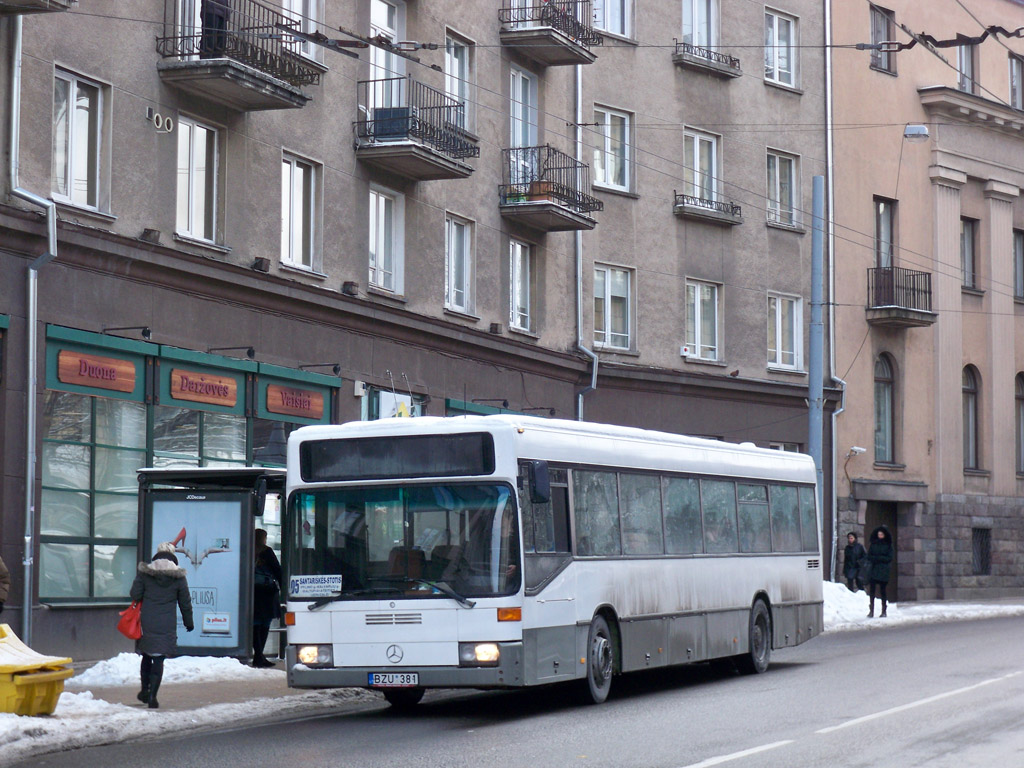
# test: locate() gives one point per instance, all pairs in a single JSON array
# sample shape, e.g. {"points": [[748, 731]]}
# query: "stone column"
{"points": [[999, 452], [948, 329]]}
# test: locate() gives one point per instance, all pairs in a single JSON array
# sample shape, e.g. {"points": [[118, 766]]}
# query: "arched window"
{"points": [[883, 410], [970, 423], [1019, 420]]}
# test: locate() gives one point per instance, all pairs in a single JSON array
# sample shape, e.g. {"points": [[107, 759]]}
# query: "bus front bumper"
{"points": [[508, 674]]}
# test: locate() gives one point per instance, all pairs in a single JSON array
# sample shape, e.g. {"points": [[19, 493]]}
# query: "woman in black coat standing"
{"points": [[266, 599], [162, 587], [880, 554]]}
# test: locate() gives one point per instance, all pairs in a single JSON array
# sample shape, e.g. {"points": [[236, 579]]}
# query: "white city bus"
{"points": [[507, 551]]}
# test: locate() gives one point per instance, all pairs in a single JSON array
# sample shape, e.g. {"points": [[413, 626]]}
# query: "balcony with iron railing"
{"points": [[8, 7], [412, 129], [899, 298], [707, 60], [705, 208], [234, 52], [550, 32], [546, 189]]}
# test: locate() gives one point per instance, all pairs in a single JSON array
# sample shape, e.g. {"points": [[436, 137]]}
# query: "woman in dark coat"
{"points": [[880, 554], [852, 556], [162, 587], [266, 602]]}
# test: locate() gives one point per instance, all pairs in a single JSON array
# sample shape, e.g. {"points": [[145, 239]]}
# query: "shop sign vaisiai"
{"points": [[95, 371], [204, 388], [295, 402]]}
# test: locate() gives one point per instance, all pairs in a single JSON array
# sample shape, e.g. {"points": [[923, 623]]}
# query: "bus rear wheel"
{"points": [[600, 660], [759, 656], [403, 698]]}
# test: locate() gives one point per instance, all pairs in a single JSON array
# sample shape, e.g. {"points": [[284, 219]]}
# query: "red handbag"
{"points": [[130, 624]]}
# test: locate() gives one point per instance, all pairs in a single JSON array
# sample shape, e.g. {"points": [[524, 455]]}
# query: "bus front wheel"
{"points": [[756, 659], [403, 698], [600, 660]]}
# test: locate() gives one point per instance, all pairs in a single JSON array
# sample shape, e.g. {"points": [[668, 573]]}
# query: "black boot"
{"points": [[884, 604], [871, 610], [156, 675], [144, 672]]}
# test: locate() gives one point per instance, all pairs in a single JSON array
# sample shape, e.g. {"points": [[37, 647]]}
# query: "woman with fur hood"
{"points": [[162, 587], [880, 554]]}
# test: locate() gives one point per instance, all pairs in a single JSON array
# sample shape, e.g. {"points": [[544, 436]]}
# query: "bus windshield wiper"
{"points": [[440, 586]]}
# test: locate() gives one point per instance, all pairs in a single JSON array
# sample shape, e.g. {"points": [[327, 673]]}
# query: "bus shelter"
{"points": [[208, 514]]}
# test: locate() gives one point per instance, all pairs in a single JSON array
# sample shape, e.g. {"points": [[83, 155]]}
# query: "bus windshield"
{"points": [[397, 539]]}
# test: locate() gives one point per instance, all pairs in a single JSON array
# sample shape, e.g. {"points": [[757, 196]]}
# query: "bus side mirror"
{"points": [[540, 485], [259, 496]]}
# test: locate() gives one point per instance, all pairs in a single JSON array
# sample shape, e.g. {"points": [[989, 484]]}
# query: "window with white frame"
{"points": [[522, 126], [386, 239], [782, 192], [458, 75], [77, 140], [299, 212], [612, 306], [197, 180], [968, 262], [965, 67], [884, 418], [1018, 264], [611, 150], [700, 165], [970, 391], [702, 320], [387, 20], [779, 48], [883, 29], [784, 446], [1016, 81], [700, 23], [458, 264], [784, 338], [613, 16], [304, 14], [521, 285]]}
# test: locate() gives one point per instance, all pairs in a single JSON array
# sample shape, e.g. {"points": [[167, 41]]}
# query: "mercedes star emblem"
{"points": [[394, 653]]}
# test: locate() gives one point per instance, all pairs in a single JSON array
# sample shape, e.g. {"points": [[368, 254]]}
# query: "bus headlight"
{"points": [[315, 655], [479, 654]]}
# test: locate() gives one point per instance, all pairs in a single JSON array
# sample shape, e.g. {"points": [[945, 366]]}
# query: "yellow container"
{"points": [[30, 683]]}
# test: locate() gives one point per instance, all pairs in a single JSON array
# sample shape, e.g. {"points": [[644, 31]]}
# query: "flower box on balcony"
{"points": [[541, 191]]}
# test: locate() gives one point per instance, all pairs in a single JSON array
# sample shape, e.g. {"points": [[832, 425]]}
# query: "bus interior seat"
{"points": [[440, 558], [405, 561]]}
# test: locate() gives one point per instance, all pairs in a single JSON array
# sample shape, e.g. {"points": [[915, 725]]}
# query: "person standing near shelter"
{"points": [[852, 556], [266, 602], [880, 554], [162, 587], [5, 584]]}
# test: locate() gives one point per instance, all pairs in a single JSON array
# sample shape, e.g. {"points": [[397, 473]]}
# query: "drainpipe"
{"points": [[578, 252], [829, 202], [33, 319]]}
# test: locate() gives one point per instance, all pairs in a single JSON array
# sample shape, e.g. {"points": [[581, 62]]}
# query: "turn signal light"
{"points": [[510, 614], [289, 619]]}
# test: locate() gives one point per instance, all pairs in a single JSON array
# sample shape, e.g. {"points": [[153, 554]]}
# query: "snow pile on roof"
{"points": [[123, 669]]}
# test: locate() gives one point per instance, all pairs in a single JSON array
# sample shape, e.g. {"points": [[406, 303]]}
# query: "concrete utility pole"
{"points": [[817, 341]]}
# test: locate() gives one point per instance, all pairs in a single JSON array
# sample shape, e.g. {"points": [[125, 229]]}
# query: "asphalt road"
{"points": [[931, 695]]}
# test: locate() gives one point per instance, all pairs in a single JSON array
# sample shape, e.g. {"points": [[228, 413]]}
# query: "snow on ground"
{"points": [[82, 720]]}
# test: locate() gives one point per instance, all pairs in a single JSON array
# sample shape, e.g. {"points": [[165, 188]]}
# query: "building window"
{"points": [[1018, 394], [304, 14], [611, 153], [1016, 81], [521, 282], [981, 551], [1018, 264], [783, 446], [387, 21], [883, 410], [197, 180], [883, 30], [779, 48], [781, 188], [299, 212], [965, 68], [700, 23], [700, 165], [885, 231], [522, 126], [77, 119], [386, 239], [613, 16], [784, 338], [612, 297], [970, 417], [702, 320], [458, 264], [968, 264], [458, 74]]}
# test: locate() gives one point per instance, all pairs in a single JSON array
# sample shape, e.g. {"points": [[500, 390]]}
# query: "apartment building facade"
{"points": [[582, 210], [929, 264]]}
